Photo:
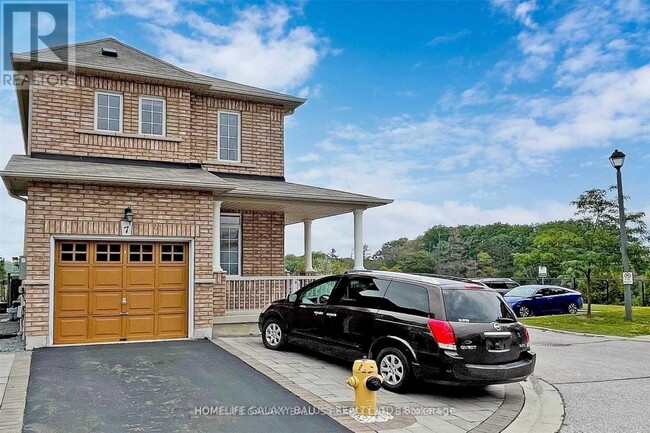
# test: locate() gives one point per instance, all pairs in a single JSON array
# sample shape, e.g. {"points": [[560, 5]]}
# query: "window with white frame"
{"points": [[231, 243], [108, 111], [152, 116], [229, 136]]}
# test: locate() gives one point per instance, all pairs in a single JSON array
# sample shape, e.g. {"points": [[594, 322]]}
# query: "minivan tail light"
{"points": [[526, 336], [443, 334]]}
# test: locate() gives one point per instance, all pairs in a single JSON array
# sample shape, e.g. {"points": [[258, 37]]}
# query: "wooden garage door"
{"points": [[119, 291]]}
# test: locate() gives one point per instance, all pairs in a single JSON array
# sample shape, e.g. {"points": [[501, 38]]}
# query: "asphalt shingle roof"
{"points": [[132, 61], [21, 168]]}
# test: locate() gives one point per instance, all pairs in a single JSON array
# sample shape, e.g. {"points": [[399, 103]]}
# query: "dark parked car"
{"points": [[535, 300], [426, 328], [501, 285]]}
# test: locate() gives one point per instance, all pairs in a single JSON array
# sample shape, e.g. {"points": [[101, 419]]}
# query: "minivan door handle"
{"points": [[318, 313], [331, 314]]}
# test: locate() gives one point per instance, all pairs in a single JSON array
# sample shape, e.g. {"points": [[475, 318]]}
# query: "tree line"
{"points": [[586, 246]]}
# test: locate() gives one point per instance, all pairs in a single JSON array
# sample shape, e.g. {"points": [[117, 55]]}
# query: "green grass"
{"points": [[605, 320]]}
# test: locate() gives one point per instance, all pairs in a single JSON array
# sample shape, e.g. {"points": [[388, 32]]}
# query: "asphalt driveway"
{"points": [[177, 386]]}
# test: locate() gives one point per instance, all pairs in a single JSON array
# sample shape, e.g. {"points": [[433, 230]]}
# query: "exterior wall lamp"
{"points": [[128, 215]]}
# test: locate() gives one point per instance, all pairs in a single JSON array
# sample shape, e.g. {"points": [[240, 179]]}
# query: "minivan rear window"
{"points": [[480, 306]]}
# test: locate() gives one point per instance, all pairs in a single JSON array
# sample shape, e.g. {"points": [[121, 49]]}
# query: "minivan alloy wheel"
{"points": [[572, 308], [273, 334], [392, 369]]}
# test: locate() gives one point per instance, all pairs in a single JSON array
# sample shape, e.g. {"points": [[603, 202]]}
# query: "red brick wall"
{"points": [[94, 210], [60, 113], [262, 243]]}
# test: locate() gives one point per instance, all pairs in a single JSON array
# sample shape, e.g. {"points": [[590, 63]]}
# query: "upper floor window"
{"points": [[152, 116], [108, 111], [229, 136]]}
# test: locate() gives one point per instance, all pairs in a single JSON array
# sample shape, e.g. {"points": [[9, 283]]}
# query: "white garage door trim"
{"points": [[54, 238]]}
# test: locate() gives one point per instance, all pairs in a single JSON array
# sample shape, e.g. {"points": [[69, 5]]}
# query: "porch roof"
{"points": [[298, 202], [20, 169], [237, 192]]}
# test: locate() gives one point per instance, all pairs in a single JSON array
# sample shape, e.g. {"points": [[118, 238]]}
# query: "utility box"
{"points": [[22, 268]]}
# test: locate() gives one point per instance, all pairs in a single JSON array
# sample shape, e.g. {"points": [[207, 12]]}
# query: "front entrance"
{"points": [[120, 291]]}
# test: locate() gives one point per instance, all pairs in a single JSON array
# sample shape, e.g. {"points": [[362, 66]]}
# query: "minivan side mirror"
{"points": [[537, 295], [293, 297]]}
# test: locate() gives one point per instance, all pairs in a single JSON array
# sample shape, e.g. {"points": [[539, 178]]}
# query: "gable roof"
{"points": [[137, 64]]}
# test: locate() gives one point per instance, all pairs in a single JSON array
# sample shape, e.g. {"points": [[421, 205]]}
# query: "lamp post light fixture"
{"points": [[128, 215], [618, 159]]}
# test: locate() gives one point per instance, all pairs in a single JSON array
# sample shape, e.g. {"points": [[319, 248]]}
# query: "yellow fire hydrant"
{"points": [[366, 382]]}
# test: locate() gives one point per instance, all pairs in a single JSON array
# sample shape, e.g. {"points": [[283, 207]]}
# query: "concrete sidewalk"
{"points": [[14, 376]]}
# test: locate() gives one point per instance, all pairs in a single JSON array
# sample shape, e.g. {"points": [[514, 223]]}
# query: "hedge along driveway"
{"points": [[171, 386]]}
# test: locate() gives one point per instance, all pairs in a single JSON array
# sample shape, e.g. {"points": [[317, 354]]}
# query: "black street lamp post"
{"points": [[617, 159]]}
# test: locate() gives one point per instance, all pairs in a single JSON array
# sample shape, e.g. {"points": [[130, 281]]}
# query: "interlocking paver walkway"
{"points": [[321, 381]]}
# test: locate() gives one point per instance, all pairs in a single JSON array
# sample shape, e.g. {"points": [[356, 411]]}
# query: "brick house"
{"points": [[155, 197]]}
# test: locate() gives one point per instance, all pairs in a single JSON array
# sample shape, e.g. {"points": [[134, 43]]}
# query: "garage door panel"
{"points": [[92, 279], [172, 277], [72, 278], [140, 327], [141, 302], [106, 303], [172, 301], [172, 325], [140, 278], [106, 328], [71, 304], [71, 330], [107, 278]]}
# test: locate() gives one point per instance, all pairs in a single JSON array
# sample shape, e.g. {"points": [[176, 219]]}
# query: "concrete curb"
{"points": [[643, 338], [543, 411]]}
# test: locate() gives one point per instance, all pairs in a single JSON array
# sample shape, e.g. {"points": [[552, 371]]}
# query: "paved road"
{"points": [[604, 382], [156, 387]]}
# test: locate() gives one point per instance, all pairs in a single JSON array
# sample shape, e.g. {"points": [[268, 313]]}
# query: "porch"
{"points": [[246, 297], [248, 243]]}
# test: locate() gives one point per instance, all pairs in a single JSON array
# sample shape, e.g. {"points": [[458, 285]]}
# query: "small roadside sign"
{"points": [[542, 272], [628, 278]]}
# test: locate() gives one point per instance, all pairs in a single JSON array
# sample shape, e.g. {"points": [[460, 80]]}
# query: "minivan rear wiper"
{"points": [[505, 319]]}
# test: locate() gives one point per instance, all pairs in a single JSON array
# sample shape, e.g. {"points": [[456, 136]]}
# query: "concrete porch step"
{"points": [[236, 323]]}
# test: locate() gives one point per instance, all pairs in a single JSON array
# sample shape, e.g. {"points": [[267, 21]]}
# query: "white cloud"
{"points": [[310, 92], [521, 11], [447, 38], [258, 48], [261, 46], [309, 157], [163, 12]]}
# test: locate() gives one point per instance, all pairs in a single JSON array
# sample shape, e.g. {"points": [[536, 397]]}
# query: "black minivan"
{"points": [[415, 327]]}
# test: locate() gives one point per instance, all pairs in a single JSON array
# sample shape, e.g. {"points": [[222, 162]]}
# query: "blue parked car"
{"points": [[535, 300]]}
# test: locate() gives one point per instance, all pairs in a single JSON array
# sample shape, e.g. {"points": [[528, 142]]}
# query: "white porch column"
{"points": [[307, 238], [358, 239], [216, 238]]}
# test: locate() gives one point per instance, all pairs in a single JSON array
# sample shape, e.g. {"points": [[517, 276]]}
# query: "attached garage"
{"points": [[120, 291]]}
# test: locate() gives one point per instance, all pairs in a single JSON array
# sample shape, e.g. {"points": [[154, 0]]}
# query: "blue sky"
{"points": [[463, 112]]}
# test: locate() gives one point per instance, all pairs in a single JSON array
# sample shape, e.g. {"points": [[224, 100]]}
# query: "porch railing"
{"points": [[254, 293]]}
